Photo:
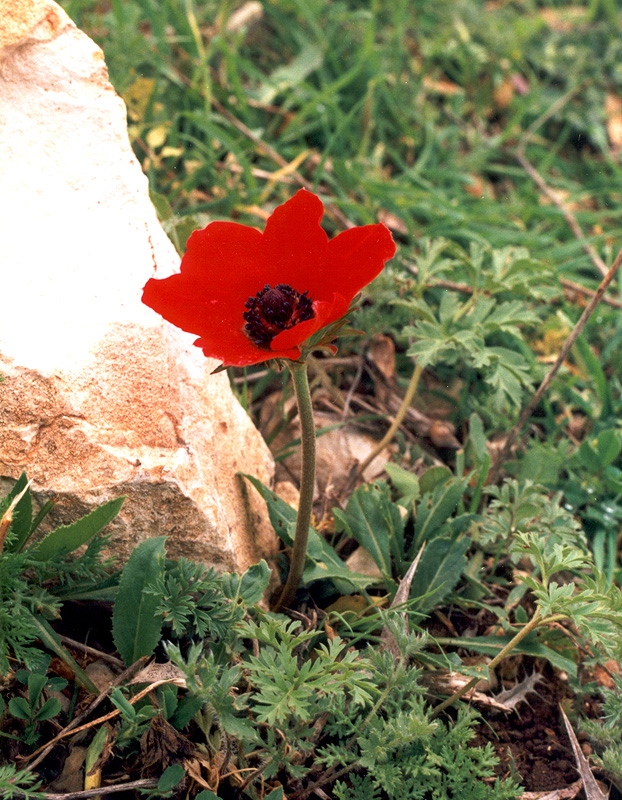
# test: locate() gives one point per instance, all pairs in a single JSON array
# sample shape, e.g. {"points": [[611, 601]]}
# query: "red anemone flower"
{"points": [[253, 296]]}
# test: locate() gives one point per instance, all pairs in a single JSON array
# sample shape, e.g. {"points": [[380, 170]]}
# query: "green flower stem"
{"points": [[307, 482], [535, 622]]}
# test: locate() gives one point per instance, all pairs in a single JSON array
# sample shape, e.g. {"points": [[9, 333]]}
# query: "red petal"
{"points": [[242, 355], [225, 255], [294, 243], [325, 313], [355, 257]]}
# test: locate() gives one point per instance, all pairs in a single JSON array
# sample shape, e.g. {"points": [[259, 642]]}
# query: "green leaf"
{"points": [[587, 359], [608, 446], [170, 778], [22, 515], [96, 748], [135, 627], [432, 477], [290, 75], [439, 570], [248, 587], [19, 707], [435, 509], [68, 538], [36, 684], [477, 438], [406, 483], [589, 457], [375, 522], [322, 561], [49, 709]]}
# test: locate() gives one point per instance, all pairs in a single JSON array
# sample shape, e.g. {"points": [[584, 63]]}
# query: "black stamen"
{"points": [[273, 310]]}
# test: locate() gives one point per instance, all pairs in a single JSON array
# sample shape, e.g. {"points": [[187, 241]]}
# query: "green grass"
{"points": [[399, 106]]}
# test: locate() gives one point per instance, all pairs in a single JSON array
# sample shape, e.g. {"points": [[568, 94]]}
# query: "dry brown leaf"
{"points": [[569, 793], [506, 700], [382, 353], [245, 17], [71, 778], [442, 86], [510, 698], [504, 93], [564, 19], [392, 221], [387, 639], [361, 561], [442, 435], [613, 113], [477, 186], [603, 674], [159, 674], [590, 786]]}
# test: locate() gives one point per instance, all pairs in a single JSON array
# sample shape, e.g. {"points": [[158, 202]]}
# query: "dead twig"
{"points": [[576, 287], [144, 783], [72, 727], [92, 651], [546, 190]]}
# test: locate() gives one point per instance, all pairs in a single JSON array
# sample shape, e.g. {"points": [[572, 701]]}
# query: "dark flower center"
{"points": [[274, 310]]}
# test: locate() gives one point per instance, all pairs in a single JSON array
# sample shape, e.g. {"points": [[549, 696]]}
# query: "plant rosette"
{"points": [[253, 296]]}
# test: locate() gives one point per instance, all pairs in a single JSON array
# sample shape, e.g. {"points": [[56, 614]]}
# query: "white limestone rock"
{"points": [[100, 397]]}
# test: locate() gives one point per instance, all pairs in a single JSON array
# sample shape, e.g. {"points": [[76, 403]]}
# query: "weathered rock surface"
{"points": [[100, 397]]}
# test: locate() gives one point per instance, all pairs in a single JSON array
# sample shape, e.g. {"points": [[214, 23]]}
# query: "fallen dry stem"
{"points": [[397, 420], [568, 215], [529, 408], [576, 287], [73, 725], [144, 783], [546, 190]]}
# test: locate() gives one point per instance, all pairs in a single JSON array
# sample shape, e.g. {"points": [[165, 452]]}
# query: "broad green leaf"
{"points": [[96, 748], [435, 509], [19, 707], [608, 446], [49, 709], [442, 563], [322, 561], [590, 363], [248, 587], [289, 75], [375, 522], [170, 778], [432, 477], [135, 626], [589, 457], [406, 483], [68, 538], [477, 438]]}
